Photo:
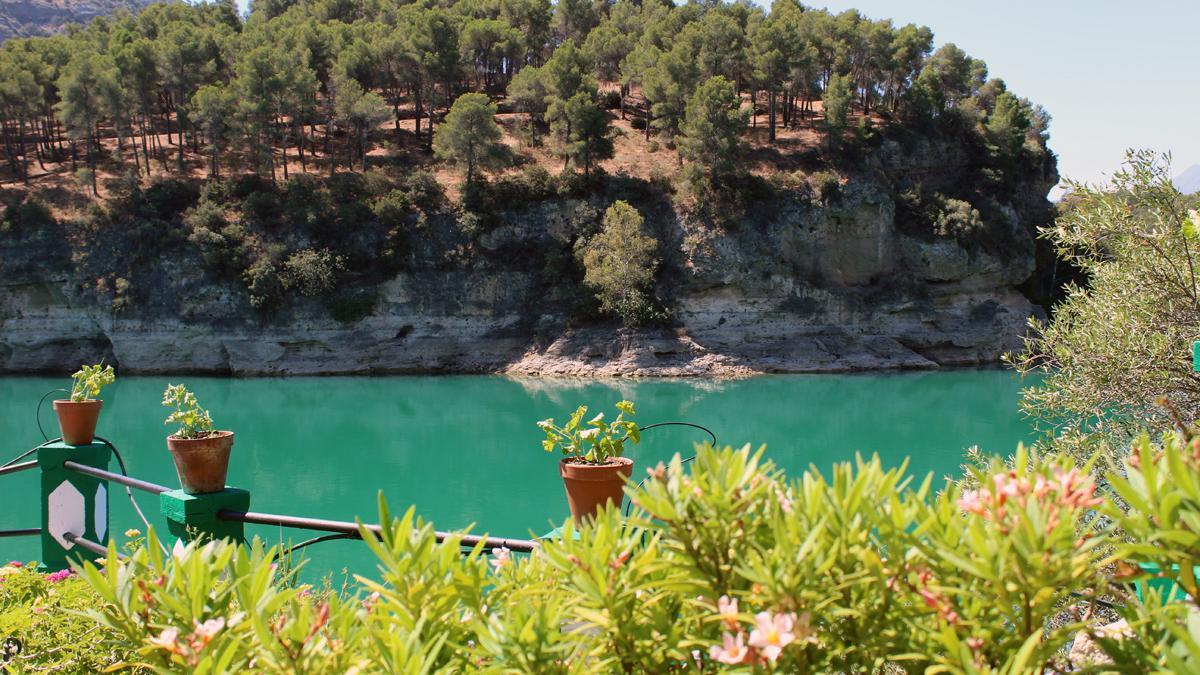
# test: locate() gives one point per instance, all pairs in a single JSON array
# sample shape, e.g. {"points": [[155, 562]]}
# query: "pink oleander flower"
{"points": [[500, 557], [15, 563], [58, 576], [932, 600], [727, 608], [205, 632], [1075, 489], [657, 472], [772, 633], [1067, 489], [972, 502], [785, 502], [369, 602], [732, 650], [168, 639]]}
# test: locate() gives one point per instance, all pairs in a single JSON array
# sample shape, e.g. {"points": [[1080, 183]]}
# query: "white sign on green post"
{"points": [[72, 503]]}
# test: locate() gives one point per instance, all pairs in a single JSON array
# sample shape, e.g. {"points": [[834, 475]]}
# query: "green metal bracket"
{"points": [[192, 517], [72, 502]]}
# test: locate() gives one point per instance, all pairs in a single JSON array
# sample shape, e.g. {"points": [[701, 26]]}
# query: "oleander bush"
{"points": [[42, 628], [724, 563]]}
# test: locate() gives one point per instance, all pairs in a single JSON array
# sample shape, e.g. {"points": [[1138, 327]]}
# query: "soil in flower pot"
{"points": [[590, 486], [202, 463], [77, 420]]}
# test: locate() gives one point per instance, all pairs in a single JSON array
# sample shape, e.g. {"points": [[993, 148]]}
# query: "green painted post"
{"points": [[192, 517], [1196, 356], [72, 502]]}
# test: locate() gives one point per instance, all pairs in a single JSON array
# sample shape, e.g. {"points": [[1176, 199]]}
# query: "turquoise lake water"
{"points": [[464, 449]]}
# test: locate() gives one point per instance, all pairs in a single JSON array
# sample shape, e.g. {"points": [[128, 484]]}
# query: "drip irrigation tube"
{"points": [[37, 415], [316, 540], [629, 506], [29, 452]]}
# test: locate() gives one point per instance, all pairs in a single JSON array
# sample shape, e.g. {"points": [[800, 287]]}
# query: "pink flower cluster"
{"points": [[58, 576], [771, 633], [935, 600], [1068, 489]]}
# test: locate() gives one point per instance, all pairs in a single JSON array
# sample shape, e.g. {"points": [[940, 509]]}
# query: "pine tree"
{"points": [[83, 86], [469, 136], [712, 128]]}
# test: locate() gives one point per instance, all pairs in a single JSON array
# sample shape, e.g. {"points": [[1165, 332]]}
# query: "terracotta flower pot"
{"points": [[590, 486], [77, 420], [202, 463]]}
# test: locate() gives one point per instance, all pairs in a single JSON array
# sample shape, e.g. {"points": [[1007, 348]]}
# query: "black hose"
{"points": [[37, 415], [28, 452], [121, 463], [681, 424], [315, 540], [629, 506]]}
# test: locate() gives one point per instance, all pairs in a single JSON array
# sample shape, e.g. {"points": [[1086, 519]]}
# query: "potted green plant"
{"points": [[77, 415], [201, 453], [593, 467]]}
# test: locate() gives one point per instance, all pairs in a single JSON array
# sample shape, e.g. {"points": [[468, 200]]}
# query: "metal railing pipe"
{"points": [[116, 477], [88, 544], [23, 466], [349, 528]]}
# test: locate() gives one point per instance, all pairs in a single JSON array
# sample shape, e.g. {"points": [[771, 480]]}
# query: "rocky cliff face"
{"points": [[802, 284], [26, 18]]}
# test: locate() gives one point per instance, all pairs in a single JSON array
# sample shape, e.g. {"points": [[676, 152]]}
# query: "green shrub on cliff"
{"points": [[619, 265], [311, 272]]}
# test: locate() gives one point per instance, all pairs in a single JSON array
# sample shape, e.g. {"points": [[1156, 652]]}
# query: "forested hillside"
{"points": [[319, 149]]}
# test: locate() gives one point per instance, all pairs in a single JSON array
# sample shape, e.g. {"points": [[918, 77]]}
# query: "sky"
{"points": [[1113, 74]]}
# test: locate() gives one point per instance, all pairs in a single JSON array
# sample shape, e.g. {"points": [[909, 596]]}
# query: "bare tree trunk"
{"points": [[300, 148], [283, 143], [771, 115], [21, 150], [9, 150], [92, 144], [432, 108], [417, 102]]}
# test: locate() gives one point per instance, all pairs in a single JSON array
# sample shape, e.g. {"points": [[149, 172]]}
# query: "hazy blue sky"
{"points": [[1114, 74]]}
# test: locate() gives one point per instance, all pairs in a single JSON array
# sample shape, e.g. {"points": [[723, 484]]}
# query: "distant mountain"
{"points": [[1188, 181], [23, 18]]}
